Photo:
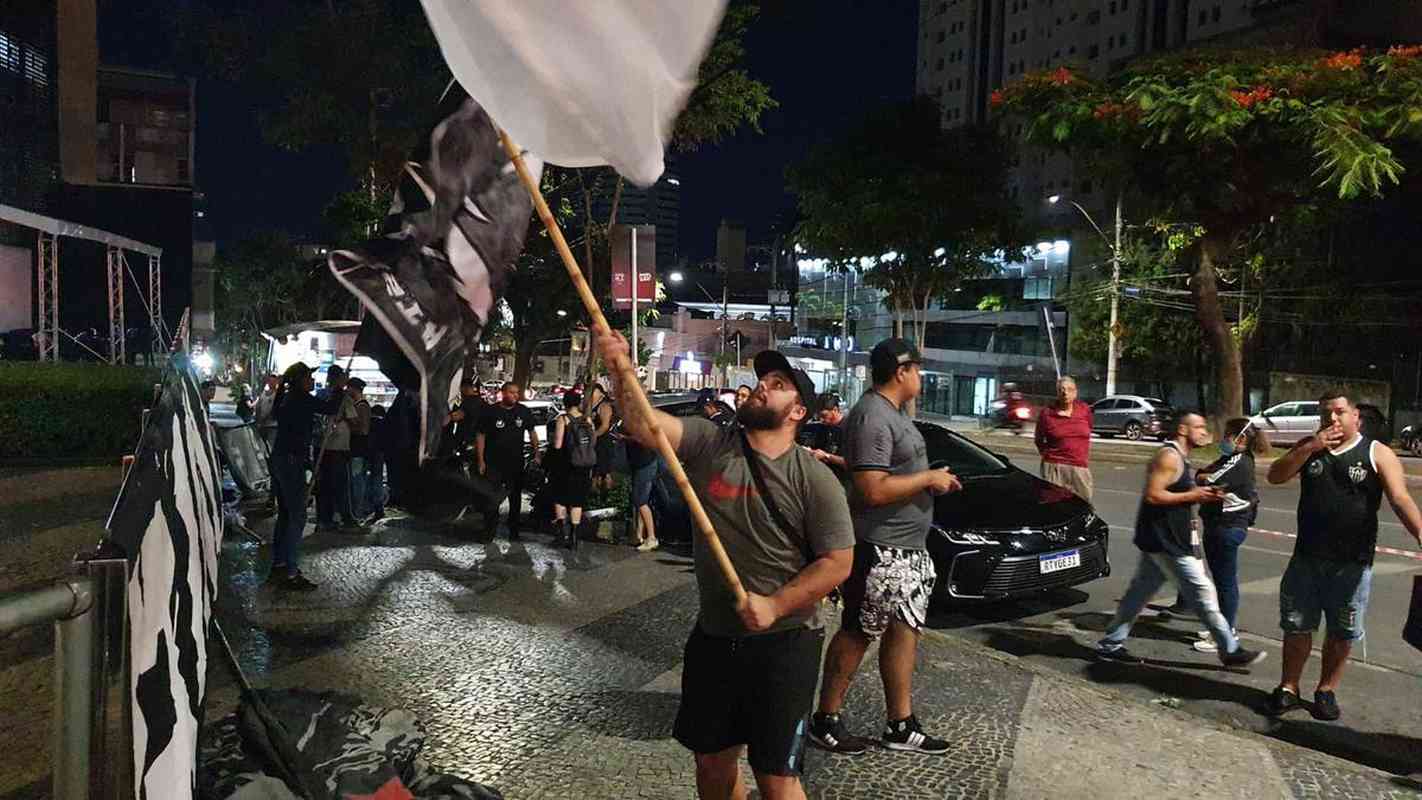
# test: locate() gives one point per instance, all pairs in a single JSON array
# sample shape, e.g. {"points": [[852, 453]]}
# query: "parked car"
{"points": [[1286, 423], [1008, 533], [1131, 416]]}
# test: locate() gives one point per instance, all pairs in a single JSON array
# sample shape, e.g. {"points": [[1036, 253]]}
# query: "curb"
{"points": [[1115, 695], [1006, 446]]}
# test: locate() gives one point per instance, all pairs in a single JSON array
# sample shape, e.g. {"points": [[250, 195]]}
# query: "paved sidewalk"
{"points": [[549, 675]]}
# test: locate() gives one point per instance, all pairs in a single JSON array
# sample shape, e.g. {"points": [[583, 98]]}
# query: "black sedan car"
{"points": [[1008, 533]]}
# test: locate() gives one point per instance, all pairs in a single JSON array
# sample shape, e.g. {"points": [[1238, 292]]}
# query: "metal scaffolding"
{"points": [[47, 252], [117, 329], [47, 255]]}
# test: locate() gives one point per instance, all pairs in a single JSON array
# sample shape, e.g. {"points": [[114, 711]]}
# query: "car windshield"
{"points": [[965, 459]]}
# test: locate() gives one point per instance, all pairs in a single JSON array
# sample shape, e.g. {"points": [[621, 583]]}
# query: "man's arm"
{"points": [[604, 420], [1039, 431], [1288, 465], [635, 425], [479, 450], [555, 441], [532, 436], [808, 587], [879, 488], [1394, 484], [1164, 470]]}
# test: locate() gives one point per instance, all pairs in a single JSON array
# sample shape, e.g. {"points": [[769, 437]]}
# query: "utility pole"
{"points": [[725, 369], [636, 289], [1112, 344], [844, 337]]}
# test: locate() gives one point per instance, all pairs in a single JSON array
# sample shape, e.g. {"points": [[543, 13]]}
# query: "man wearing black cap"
{"points": [[749, 675], [713, 409], [887, 593]]}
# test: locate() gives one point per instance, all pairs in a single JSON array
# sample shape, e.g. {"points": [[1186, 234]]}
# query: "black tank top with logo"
{"points": [[1338, 504], [1166, 529]]}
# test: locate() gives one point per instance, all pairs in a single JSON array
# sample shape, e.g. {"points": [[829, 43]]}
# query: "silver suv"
{"points": [[1131, 416]]}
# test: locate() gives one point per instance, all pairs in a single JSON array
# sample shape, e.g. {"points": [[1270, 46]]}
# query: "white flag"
{"points": [[580, 83]]}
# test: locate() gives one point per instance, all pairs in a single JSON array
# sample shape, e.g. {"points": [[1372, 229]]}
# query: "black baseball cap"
{"points": [[891, 354], [768, 361], [706, 396]]}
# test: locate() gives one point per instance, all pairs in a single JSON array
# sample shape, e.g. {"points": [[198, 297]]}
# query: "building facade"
{"points": [[29, 132]]}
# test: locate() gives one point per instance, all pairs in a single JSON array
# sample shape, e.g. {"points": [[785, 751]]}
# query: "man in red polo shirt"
{"points": [[1064, 440]]}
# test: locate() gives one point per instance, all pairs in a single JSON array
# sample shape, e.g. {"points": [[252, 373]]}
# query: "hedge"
{"points": [[67, 411]]}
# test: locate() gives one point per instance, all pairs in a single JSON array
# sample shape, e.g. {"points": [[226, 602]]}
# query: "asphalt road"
{"points": [[1379, 695]]}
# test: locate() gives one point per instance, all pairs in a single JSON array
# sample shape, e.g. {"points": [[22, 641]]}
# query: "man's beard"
{"points": [[760, 417]]}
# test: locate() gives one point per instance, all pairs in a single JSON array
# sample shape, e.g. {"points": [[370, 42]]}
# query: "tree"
{"points": [[363, 75], [918, 208], [262, 282], [1228, 139]]}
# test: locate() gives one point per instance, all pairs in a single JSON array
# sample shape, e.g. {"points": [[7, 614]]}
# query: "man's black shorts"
{"points": [[755, 691]]}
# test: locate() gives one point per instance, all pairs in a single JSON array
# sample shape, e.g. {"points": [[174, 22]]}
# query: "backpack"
{"points": [[579, 440]]}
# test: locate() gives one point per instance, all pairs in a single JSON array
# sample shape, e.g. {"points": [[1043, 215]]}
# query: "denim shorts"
{"points": [[1337, 591], [642, 479]]}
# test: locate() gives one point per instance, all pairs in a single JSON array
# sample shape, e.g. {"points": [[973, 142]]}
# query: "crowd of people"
{"points": [[844, 510], [1343, 474]]}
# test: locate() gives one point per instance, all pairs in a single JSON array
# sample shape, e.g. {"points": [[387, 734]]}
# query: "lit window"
{"points": [[9, 53], [36, 68]]}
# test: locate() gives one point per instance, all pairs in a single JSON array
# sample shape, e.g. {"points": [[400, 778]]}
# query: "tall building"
{"points": [[29, 135], [102, 146], [968, 48], [658, 204]]}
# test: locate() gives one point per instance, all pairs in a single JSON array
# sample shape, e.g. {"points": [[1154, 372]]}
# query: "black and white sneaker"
{"points": [[908, 735], [1325, 706], [1120, 655], [1242, 658], [828, 733], [1282, 700]]}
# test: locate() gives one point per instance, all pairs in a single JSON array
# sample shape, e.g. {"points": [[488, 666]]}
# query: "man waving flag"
{"points": [[577, 84]]}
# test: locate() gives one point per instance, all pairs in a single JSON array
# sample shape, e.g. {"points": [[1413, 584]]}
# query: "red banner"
{"points": [[623, 257]]}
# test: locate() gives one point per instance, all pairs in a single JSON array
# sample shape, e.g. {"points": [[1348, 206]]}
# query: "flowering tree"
{"points": [[1228, 139]]}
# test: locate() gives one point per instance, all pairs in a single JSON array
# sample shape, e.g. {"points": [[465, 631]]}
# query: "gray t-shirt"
{"points": [[882, 437], [765, 556]]}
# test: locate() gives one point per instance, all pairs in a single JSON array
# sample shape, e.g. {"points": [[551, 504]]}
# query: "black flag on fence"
{"points": [[168, 521], [432, 279]]}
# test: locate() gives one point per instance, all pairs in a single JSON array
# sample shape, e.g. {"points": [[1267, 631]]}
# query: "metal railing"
{"points": [[92, 727]]}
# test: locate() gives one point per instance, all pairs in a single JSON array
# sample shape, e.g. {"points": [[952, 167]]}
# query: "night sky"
{"points": [[827, 63]]}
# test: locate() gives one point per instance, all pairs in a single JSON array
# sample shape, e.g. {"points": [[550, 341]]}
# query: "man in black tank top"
{"points": [[1165, 535], [1344, 474]]}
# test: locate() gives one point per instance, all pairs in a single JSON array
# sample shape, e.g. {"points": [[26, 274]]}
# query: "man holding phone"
{"points": [[1343, 476], [1166, 536]]}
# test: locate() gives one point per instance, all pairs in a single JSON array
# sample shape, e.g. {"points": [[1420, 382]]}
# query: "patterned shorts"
{"points": [[887, 583]]}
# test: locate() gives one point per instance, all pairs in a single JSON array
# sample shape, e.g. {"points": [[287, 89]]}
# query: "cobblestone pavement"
{"points": [[551, 675]]}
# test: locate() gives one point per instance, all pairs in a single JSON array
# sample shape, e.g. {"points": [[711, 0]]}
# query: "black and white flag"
{"points": [[168, 522], [430, 282]]}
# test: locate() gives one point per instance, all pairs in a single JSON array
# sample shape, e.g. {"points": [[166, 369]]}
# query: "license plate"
{"points": [[1056, 562]]}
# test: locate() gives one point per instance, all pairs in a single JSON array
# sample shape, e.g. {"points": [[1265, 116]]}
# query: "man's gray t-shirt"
{"points": [[765, 556], [881, 437]]}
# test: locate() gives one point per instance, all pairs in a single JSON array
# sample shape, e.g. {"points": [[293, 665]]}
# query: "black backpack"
{"points": [[579, 439]]}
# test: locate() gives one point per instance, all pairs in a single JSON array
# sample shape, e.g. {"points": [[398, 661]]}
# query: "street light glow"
{"points": [[562, 313], [1054, 199], [675, 277]]}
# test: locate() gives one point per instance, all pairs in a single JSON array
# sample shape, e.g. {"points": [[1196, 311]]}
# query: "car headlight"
{"points": [[1023, 413], [964, 537]]}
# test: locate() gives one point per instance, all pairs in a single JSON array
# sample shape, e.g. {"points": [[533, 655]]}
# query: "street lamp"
{"points": [[1112, 345], [675, 277]]}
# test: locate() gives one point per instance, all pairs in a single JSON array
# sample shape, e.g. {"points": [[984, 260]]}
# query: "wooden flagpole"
{"points": [[628, 375]]}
